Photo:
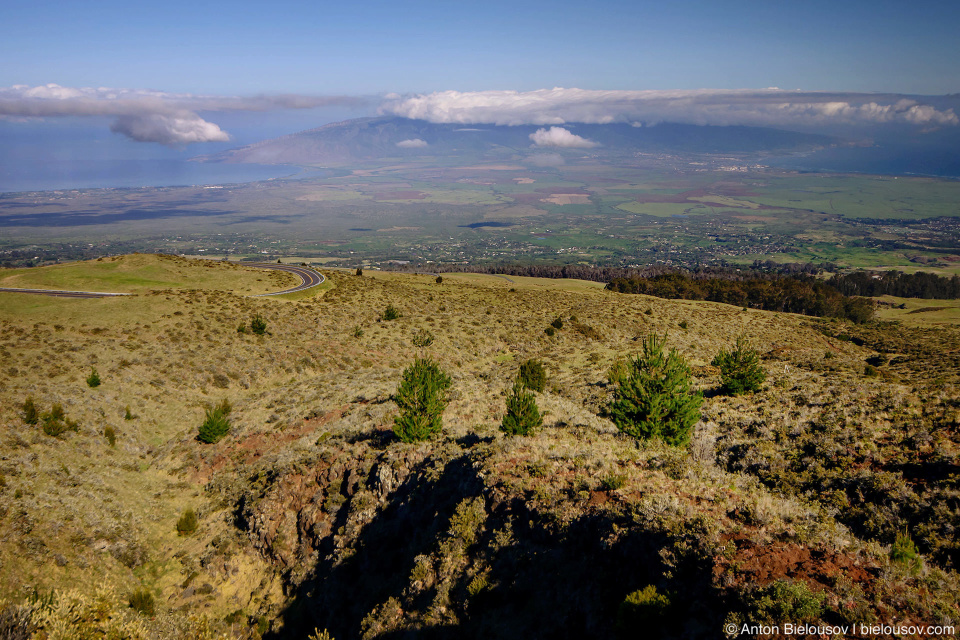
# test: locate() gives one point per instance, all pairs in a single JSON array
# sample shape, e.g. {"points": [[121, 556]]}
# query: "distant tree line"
{"points": [[894, 283], [792, 294], [606, 274]]}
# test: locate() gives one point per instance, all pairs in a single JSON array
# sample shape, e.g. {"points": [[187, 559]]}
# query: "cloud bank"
{"points": [[148, 116], [414, 143], [765, 107], [560, 137]]}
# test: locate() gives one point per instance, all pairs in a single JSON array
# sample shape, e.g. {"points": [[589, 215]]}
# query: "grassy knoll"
{"points": [[141, 273]]}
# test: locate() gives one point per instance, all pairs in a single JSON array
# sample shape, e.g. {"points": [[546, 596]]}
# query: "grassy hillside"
{"points": [[312, 514]]}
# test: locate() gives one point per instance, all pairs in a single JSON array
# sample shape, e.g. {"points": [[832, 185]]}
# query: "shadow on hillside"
{"points": [[550, 581]]}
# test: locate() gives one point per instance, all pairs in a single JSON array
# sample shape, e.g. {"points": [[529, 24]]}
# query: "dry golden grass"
{"points": [[78, 510]]}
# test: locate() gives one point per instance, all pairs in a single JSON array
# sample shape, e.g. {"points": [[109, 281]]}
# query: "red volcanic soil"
{"points": [[763, 564], [399, 195]]}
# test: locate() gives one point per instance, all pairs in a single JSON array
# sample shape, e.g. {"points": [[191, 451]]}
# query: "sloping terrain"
{"points": [[312, 514]]}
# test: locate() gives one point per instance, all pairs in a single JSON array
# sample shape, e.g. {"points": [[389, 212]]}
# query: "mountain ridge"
{"points": [[373, 138]]}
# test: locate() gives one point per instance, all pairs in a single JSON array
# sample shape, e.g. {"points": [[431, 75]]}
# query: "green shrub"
{"points": [[142, 601], [522, 416], [653, 395], [127, 414], [187, 523], [870, 371], [439, 279], [643, 612], [740, 370], [533, 375], [359, 271], [30, 414], [216, 424], [258, 325], [550, 331], [904, 552], [93, 380], [390, 313], [357, 332], [613, 481], [55, 422], [422, 397], [111, 436], [242, 328], [785, 600], [683, 324], [558, 323]]}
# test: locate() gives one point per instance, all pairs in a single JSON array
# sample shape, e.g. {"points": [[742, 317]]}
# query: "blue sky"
{"points": [[243, 48]]}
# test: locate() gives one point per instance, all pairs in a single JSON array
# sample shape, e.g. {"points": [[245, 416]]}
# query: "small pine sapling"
{"points": [[740, 370]]}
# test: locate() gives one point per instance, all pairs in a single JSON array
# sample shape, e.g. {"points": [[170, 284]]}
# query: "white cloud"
{"points": [[145, 115], [560, 137], [415, 143], [761, 107], [184, 128]]}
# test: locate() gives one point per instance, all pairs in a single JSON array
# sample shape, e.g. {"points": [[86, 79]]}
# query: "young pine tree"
{"points": [[522, 416], [533, 375], [216, 424], [654, 397], [422, 397], [740, 370]]}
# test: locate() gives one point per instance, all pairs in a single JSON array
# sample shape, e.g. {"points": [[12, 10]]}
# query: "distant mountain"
{"points": [[365, 139]]}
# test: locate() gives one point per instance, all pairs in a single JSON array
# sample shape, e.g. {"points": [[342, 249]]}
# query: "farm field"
{"points": [[580, 212]]}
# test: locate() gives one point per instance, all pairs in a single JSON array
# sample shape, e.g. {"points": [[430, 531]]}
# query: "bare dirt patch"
{"points": [[567, 198]]}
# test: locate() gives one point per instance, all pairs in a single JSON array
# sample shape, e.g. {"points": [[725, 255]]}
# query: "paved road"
{"points": [[308, 279], [65, 294]]}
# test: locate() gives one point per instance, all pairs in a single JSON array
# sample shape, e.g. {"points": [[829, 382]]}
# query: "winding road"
{"points": [[308, 279]]}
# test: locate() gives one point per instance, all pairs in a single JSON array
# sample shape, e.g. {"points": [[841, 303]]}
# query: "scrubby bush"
{"points": [[439, 279], [359, 271], [422, 397], [390, 313], [30, 413], [142, 601], [740, 370], [127, 414], [111, 436], [785, 600], [558, 323], [645, 611], [422, 339], [258, 325], [93, 380], [216, 424], [357, 332], [522, 415], [187, 523], [56, 423], [533, 375], [653, 396]]}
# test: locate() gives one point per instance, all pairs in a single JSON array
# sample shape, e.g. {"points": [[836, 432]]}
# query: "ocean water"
{"points": [[133, 173], [74, 154], [937, 156]]}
